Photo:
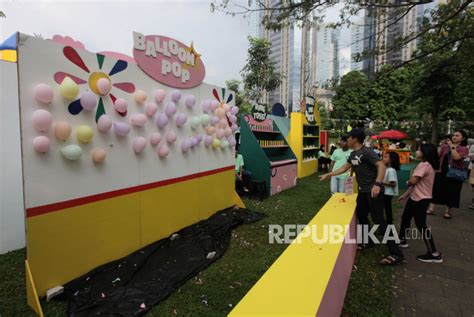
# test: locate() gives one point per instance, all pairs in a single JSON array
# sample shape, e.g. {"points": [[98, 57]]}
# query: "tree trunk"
{"points": [[435, 125]]}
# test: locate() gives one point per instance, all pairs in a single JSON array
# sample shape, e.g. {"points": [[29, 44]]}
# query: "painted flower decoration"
{"points": [[221, 101], [75, 107]]}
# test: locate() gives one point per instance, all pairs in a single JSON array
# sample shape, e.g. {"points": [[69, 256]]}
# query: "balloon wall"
{"points": [[113, 159]]}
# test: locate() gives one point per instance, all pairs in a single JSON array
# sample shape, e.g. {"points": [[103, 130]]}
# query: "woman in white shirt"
{"points": [[392, 161]]}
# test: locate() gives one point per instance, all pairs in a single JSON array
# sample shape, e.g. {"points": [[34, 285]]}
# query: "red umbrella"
{"points": [[374, 137], [393, 134]]}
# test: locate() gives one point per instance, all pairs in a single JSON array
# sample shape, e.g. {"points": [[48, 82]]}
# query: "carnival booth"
{"points": [[266, 153], [117, 153]]}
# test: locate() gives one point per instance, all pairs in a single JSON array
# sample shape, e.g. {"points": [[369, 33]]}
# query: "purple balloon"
{"points": [[170, 109], [215, 120], [234, 110], [194, 142], [232, 141], [121, 128], [175, 95], [162, 120], [208, 140], [181, 119], [234, 127], [190, 101], [88, 101], [206, 105], [185, 145], [198, 137], [232, 118]]}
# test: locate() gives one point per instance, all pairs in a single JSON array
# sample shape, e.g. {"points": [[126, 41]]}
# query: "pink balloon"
{"points": [[160, 95], [190, 101], [210, 130], [222, 123], [208, 140], [220, 134], [232, 118], [139, 119], [185, 145], [155, 138], [226, 107], [162, 120], [214, 105], [104, 123], [227, 132], [41, 144], [232, 141], [234, 127], [120, 105], [206, 105], [175, 95], [214, 120], [220, 113], [88, 101], [44, 93], [121, 128], [103, 86], [150, 109], [170, 109], [163, 150], [171, 137], [42, 120], [234, 110], [181, 119], [139, 144]]}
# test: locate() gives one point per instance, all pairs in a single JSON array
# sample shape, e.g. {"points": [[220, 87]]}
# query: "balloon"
{"points": [[190, 101], [171, 137], [140, 96], [214, 120], [208, 140], [234, 127], [206, 105], [41, 144], [226, 107], [224, 144], [121, 128], [222, 123], [88, 101], [198, 137], [104, 123], [194, 142], [160, 95], [155, 138], [151, 108], [227, 132], [195, 121], [103, 86], [139, 119], [84, 133], [175, 95], [170, 109], [210, 130], [234, 110], [68, 88], [232, 141], [42, 120], [214, 105], [163, 150], [139, 144], [98, 155], [216, 143], [162, 120], [72, 152], [232, 118], [120, 105], [44, 93], [205, 119], [181, 119], [185, 145], [220, 134], [62, 130], [220, 113]]}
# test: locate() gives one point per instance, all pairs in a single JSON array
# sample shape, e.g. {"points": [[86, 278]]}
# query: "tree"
{"points": [[240, 100], [351, 101], [259, 73]]}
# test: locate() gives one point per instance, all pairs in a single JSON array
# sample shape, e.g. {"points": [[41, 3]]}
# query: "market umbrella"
{"points": [[393, 135]]}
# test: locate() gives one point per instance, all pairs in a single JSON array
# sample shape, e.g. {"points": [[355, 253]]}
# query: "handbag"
{"points": [[455, 173]]}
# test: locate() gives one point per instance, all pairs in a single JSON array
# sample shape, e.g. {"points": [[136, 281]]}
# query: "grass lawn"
{"points": [[215, 291]]}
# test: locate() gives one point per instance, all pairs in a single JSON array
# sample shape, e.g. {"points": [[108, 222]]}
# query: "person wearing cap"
{"points": [[338, 159], [370, 172]]}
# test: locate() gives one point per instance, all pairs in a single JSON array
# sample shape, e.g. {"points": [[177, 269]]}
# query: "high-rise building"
{"points": [[327, 54]]}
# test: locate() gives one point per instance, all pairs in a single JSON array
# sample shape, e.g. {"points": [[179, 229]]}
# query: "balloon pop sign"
{"points": [[168, 60]]}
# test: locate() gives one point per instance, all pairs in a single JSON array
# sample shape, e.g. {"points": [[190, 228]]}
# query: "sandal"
{"points": [[430, 212], [447, 215], [391, 260]]}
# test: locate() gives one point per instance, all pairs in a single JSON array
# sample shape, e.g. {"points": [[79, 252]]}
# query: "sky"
{"points": [[107, 25]]}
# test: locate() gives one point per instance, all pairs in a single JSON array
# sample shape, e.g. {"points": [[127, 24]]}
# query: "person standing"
{"points": [[338, 159], [446, 190], [370, 172], [419, 195], [390, 181], [322, 159]]}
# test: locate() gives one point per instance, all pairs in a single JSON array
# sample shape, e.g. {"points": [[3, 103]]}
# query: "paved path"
{"points": [[447, 289]]}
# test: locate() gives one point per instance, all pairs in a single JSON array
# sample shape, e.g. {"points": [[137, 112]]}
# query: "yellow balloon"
{"points": [[216, 143], [84, 133], [98, 155], [62, 130], [69, 88]]}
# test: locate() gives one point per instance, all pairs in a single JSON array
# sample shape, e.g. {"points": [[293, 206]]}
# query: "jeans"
{"points": [[417, 210], [337, 185], [366, 204]]}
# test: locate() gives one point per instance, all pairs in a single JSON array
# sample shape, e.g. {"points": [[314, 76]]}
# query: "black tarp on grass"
{"points": [[134, 284]]}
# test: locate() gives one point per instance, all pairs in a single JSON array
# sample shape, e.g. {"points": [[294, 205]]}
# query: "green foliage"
{"points": [[352, 97], [259, 73], [240, 100]]}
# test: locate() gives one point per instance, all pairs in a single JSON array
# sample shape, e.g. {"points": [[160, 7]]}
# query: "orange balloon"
{"points": [[98, 155], [62, 130]]}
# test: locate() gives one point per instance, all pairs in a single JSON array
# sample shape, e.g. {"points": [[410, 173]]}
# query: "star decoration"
{"points": [[197, 56]]}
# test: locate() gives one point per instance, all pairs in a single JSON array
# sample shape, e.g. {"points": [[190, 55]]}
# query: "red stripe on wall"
{"points": [[40, 210]]}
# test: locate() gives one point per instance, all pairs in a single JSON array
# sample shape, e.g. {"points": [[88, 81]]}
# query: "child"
{"points": [[419, 196], [392, 161]]}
